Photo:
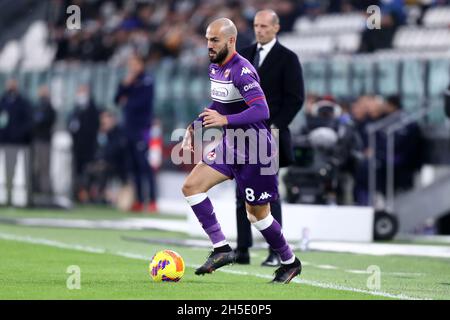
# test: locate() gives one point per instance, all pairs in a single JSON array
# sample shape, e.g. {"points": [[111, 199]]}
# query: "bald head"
{"points": [[224, 26], [221, 35], [266, 26], [269, 15]]}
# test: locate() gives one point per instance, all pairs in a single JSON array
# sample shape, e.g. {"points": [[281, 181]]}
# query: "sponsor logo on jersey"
{"points": [[245, 70], [224, 91], [226, 73], [252, 85], [264, 196], [213, 71], [219, 92]]}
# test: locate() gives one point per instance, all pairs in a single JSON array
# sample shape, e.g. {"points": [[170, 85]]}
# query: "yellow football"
{"points": [[166, 265]]}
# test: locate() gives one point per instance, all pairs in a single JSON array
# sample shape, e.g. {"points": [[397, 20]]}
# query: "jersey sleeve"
{"points": [[247, 82]]}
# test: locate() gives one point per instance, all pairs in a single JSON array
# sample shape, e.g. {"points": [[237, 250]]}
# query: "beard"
{"points": [[220, 56]]}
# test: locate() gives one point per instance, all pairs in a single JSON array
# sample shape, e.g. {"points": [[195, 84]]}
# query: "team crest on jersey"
{"points": [[211, 156], [245, 70], [213, 71], [226, 73]]}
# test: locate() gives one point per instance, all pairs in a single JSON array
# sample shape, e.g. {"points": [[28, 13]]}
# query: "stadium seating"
{"points": [[10, 56], [415, 38], [437, 17], [37, 54], [326, 34], [332, 23]]}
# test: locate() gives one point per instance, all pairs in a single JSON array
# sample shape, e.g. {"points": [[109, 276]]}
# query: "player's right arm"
{"points": [[188, 140]]}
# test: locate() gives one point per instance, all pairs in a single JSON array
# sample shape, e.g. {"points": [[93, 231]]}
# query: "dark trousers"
{"points": [[41, 167], [141, 169], [244, 230]]}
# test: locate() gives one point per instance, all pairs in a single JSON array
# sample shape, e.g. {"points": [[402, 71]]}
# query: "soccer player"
{"points": [[238, 103]]}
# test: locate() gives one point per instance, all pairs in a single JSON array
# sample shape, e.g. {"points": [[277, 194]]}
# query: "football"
{"points": [[166, 265]]}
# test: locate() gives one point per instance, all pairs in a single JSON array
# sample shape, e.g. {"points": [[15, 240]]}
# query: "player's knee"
{"points": [[257, 213], [189, 188], [251, 217]]}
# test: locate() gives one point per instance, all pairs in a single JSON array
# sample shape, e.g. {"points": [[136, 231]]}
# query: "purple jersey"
{"points": [[236, 93], [234, 87]]}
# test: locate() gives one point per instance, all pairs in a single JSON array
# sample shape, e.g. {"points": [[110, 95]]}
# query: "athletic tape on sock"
{"points": [[264, 223], [196, 198]]}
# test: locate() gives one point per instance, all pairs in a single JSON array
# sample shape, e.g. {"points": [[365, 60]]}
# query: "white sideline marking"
{"points": [[382, 249], [326, 267], [404, 274], [355, 271], [57, 244]]}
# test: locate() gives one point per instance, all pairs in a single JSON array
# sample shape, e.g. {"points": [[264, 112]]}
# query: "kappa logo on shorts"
{"points": [[264, 196], [211, 156]]}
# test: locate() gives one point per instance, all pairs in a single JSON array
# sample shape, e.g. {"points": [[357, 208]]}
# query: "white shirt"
{"points": [[265, 50]]}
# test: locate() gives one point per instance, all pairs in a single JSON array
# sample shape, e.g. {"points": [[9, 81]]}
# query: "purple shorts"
{"points": [[254, 187]]}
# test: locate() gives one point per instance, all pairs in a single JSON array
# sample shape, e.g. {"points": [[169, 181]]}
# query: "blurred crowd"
{"points": [[113, 29], [106, 147], [101, 148], [345, 151], [97, 141]]}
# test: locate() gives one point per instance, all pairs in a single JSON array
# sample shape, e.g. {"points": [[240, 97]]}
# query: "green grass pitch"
{"points": [[35, 260]]}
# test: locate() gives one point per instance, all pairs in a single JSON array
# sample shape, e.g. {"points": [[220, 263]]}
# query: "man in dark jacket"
{"points": [[135, 97], [282, 82], [447, 102], [43, 120], [110, 158], [15, 116], [83, 125]]}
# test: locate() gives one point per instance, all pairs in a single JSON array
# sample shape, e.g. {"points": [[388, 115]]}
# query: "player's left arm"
{"points": [[293, 92]]}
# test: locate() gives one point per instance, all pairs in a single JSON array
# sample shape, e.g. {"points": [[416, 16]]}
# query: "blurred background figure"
{"points": [[360, 116], [135, 97], [447, 102], [44, 117], [83, 125], [15, 116], [408, 148], [393, 15], [109, 162], [329, 147]]}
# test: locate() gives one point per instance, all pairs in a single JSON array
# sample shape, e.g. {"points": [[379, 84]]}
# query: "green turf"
{"points": [[40, 272], [94, 212], [36, 271]]}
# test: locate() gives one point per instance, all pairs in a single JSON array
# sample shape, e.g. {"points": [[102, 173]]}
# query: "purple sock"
{"points": [[271, 230], [203, 209]]}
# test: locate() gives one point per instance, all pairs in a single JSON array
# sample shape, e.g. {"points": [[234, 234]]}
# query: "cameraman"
{"points": [[329, 134]]}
